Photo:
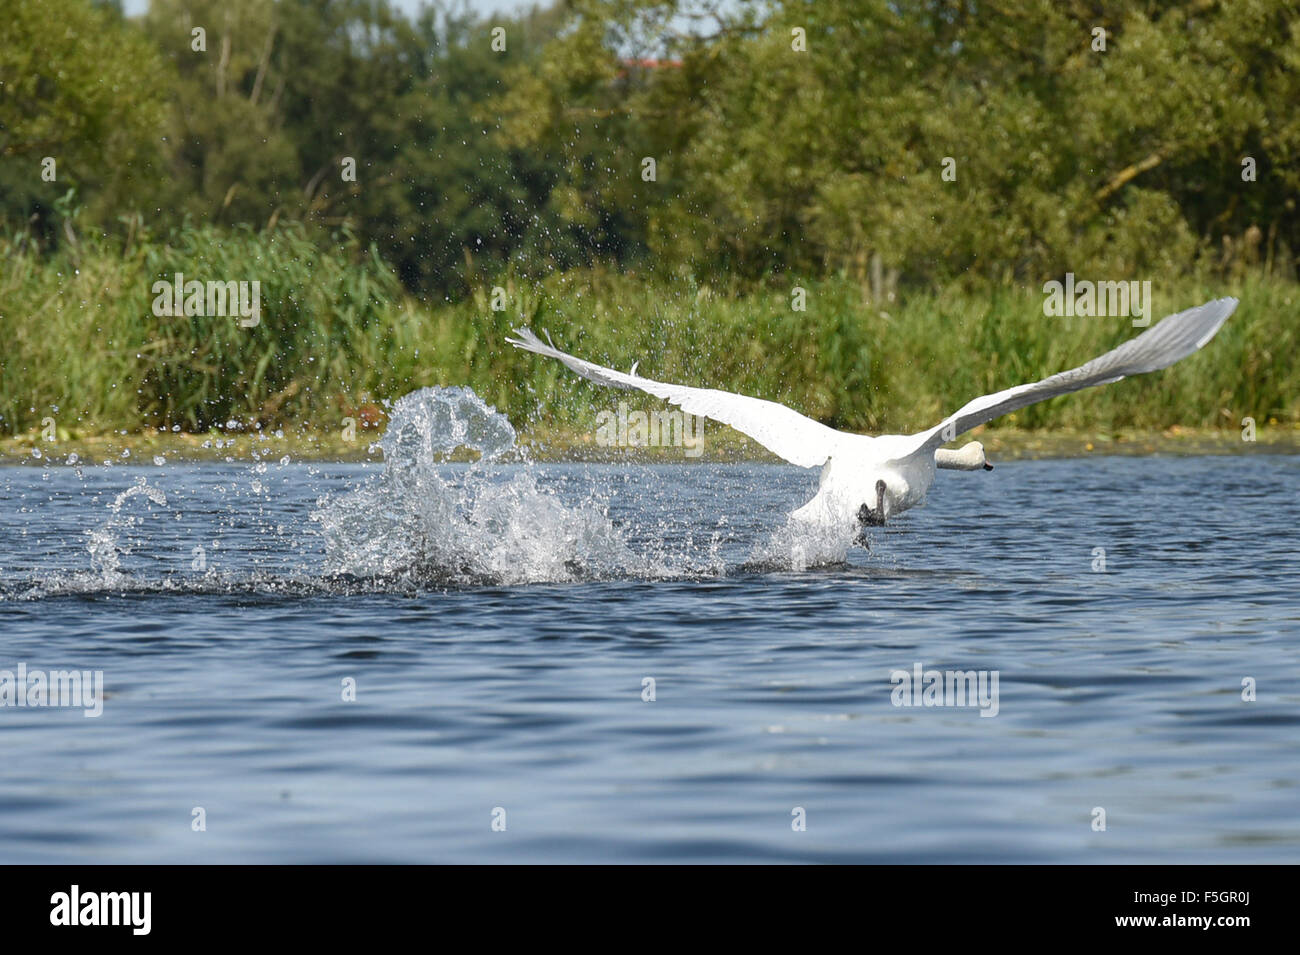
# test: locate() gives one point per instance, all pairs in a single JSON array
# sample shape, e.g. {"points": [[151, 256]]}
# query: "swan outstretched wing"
{"points": [[1172, 338], [781, 430]]}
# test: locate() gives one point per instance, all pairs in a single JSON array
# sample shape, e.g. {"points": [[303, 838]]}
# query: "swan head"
{"points": [[969, 458]]}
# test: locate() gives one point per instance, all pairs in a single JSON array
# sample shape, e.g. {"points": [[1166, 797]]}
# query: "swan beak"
{"points": [[987, 466]]}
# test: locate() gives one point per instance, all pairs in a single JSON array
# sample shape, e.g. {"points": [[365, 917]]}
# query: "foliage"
{"points": [[523, 167], [338, 333]]}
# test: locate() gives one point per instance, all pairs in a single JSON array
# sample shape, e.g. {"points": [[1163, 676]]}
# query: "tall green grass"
{"points": [[79, 342]]}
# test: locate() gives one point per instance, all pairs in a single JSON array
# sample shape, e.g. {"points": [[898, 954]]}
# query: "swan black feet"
{"points": [[869, 518]]}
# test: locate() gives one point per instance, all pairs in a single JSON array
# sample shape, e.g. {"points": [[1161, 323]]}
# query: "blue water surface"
{"points": [[1122, 601]]}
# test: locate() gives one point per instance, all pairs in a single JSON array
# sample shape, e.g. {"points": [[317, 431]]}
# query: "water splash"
{"points": [[426, 520], [429, 424], [111, 541], [457, 503], [800, 545]]}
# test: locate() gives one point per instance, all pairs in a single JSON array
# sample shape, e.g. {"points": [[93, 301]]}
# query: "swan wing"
{"points": [[1169, 340], [781, 430]]}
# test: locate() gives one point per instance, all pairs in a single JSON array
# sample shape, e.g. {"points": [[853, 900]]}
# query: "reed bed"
{"points": [[338, 336]]}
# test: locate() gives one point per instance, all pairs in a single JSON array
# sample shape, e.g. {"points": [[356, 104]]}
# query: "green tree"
{"points": [[80, 87], [815, 137]]}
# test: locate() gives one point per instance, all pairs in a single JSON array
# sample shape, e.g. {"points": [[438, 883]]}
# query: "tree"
{"points": [[80, 87]]}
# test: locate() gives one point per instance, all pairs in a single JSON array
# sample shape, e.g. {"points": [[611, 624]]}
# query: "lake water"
{"points": [[500, 622]]}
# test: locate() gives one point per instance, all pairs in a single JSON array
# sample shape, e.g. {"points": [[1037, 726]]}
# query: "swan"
{"points": [[865, 479]]}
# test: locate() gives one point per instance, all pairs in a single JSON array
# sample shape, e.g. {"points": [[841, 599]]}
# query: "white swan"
{"points": [[866, 479]]}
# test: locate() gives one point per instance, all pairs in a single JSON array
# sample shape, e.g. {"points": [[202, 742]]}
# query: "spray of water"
{"points": [[427, 520], [456, 503], [112, 540]]}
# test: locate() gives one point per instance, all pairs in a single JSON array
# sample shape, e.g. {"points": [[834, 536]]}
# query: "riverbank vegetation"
{"points": [[851, 207]]}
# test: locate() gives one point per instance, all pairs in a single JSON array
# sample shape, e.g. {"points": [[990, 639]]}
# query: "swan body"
{"points": [[866, 479]]}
